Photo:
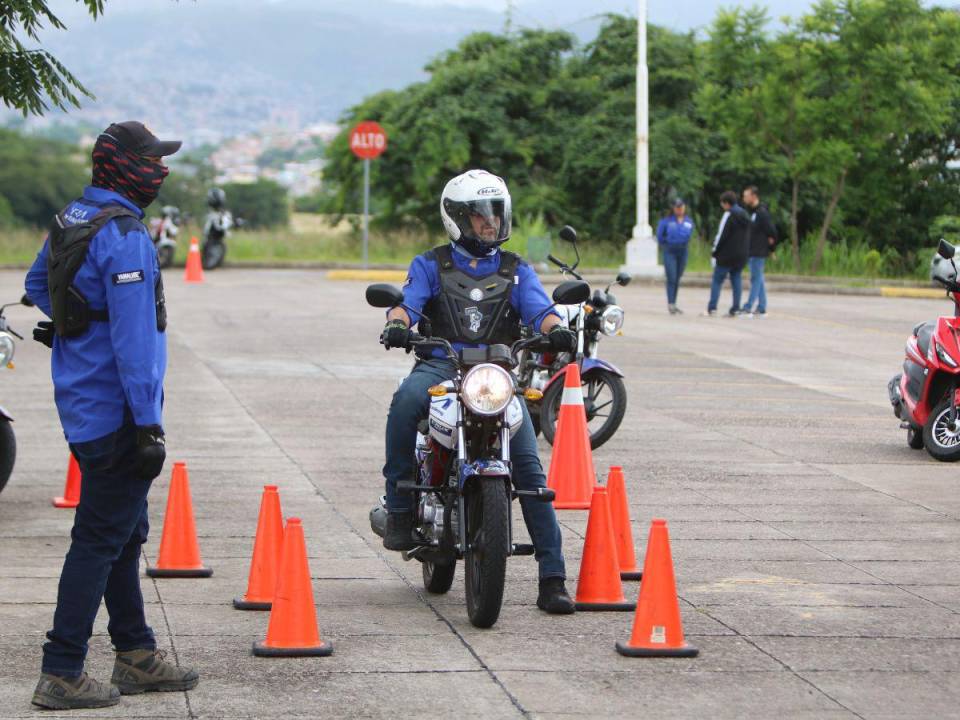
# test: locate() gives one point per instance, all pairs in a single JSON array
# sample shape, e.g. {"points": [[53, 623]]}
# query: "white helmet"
{"points": [[943, 270], [482, 194]]}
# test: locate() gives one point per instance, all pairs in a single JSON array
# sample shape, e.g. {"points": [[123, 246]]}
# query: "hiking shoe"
{"points": [[399, 534], [553, 597], [61, 693], [708, 313], [732, 313], [137, 671]]}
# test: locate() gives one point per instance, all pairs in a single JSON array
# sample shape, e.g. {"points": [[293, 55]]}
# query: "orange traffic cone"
{"points": [[71, 491], [179, 554], [293, 630], [620, 515], [266, 554], [599, 587], [657, 630], [194, 270], [571, 473]]}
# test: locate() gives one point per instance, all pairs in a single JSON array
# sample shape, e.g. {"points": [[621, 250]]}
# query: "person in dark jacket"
{"points": [[673, 234], [763, 239], [729, 252]]}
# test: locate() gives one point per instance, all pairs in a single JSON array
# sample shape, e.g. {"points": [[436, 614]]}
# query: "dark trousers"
{"points": [[411, 403], [674, 263], [736, 283], [109, 527]]}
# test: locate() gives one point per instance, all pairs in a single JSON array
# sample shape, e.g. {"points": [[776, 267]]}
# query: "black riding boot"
{"points": [[399, 534], [553, 597]]}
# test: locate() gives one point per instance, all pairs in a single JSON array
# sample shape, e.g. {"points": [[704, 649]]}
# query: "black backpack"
{"points": [[67, 251]]}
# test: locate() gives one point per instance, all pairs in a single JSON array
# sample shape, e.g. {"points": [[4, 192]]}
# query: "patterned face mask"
{"points": [[134, 176]]}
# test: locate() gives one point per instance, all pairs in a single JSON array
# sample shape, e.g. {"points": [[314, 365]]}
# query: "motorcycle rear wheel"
{"points": [[915, 438], [165, 256], [608, 411], [213, 255], [437, 578], [485, 562], [8, 451]]}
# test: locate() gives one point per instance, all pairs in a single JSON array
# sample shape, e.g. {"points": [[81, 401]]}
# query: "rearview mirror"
{"points": [[945, 249], [623, 279], [383, 295], [25, 300], [571, 292], [568, 234]]}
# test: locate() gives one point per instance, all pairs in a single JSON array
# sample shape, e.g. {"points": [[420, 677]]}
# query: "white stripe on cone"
{"points": [[571, 396]]}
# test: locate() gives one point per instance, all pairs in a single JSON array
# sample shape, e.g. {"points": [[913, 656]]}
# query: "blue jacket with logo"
{"points": [[528, 297], [118, 364], [672, 232]]}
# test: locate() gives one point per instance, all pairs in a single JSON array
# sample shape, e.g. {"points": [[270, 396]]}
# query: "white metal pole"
{"points": [[366, 211]]}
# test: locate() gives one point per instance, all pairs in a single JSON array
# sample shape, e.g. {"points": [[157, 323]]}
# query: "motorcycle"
{"points": [[215, 232], [604, 394], [8, 440], [925, 396], [462, 486], [164, 231]]}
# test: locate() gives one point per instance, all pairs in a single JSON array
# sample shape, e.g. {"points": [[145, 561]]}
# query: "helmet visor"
{"points": [[486, 221]]}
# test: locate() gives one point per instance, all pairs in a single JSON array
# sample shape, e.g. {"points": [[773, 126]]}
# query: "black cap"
{"points": [[137, 138], [678, 202]]}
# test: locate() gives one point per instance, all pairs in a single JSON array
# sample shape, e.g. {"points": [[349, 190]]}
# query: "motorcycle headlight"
{"points": [[945, 356], [487, 389], [611, 320], [6, 349]]}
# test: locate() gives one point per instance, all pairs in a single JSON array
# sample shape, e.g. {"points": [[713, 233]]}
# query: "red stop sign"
{"points": [[368, 140]]}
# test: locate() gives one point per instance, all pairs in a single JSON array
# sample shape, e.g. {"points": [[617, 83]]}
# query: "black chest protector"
{"points": [[66, 253], [474, 310]]}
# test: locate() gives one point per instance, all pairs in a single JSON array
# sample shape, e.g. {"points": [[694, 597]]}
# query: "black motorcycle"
{"points": [[8, 441], [604, 394], [462, 488]]}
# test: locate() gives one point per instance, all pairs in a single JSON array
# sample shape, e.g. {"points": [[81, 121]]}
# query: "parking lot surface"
{"points": [[817, 556]]}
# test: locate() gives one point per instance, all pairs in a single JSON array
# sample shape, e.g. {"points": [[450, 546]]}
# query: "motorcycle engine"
{"points": [[431, 517]]}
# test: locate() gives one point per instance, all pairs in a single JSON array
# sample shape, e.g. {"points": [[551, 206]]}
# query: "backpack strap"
{"points": [[509, 261], [444, 257]]}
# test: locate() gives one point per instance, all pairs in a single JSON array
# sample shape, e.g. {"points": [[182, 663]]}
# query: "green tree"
{"points": [[263, 203], [28, 75]]}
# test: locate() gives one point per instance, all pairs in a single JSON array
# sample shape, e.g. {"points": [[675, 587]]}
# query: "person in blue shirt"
{"points": [[97, 278], [476, 209], [673, 234]]}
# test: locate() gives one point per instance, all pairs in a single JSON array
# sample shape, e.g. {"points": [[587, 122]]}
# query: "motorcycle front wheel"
{"points": [[8, 451], [604, 400], [485, 561], [438, 578], [941, 438], [213, 254]]}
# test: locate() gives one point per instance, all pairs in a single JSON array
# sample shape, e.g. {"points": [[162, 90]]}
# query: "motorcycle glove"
{"points": [[151, 451], [562, 339], [44, 332], [395, 334]]}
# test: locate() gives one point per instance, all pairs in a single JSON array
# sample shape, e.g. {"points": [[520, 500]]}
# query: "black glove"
{"points": [[395, 334], [151, 451], [44, 332], [562, 339]]}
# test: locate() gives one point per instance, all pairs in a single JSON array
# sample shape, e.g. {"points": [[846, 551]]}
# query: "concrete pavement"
{"points": [[816, 555]]}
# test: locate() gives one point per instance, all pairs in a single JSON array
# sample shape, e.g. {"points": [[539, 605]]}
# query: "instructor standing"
{"points": [[98, 280]]}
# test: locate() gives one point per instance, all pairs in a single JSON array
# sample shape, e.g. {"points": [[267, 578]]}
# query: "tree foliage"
{"points": [[263, 203], [30, 76]]}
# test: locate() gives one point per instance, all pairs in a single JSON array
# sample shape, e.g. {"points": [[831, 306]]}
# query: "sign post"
{"points": [[367, 141]]}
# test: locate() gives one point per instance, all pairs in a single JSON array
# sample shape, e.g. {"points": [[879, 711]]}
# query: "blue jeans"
{"points": [[674, 262], [758, 286], [411, 404], [109, 527], [719, 275]]}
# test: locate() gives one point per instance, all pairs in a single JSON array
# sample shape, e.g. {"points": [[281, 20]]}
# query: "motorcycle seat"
{"points": [[924, 331]]}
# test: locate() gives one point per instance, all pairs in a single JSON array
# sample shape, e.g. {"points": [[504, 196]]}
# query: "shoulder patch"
{"points": [[125, 278]]}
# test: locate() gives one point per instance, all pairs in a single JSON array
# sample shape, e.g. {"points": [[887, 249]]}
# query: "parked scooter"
{"points": [[925, 396], [163, 231], [8, 441], [604, 394]]}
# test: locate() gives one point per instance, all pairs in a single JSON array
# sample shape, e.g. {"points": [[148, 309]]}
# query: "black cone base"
{"points": [[631, 575], [179, 573], [241, 604], [605, 607], [687, 651], [261, 650]]}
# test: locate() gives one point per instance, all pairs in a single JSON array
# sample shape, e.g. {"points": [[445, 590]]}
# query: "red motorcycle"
{"points": [[927, 394]]}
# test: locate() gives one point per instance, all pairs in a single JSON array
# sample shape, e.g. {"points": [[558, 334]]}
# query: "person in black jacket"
{"points": [[729, 252], [763, 239]]}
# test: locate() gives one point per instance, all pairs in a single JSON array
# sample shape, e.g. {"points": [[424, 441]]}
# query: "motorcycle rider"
{"points": [[476, 209], [218, 224]]}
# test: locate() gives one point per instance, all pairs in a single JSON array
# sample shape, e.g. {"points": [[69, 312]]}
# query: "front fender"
{"points": [[589, 365], [484, 469], [5, 415]]}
